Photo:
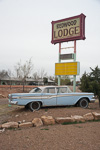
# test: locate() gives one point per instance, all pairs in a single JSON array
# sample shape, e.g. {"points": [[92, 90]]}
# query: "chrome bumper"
{"points": [[13, 102], [92, 100]]}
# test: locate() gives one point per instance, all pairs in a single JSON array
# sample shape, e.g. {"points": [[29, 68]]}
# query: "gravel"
{"points": [[84, 136]]}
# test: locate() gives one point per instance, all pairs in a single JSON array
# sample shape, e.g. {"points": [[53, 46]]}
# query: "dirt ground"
{"points": [[85, 136]]}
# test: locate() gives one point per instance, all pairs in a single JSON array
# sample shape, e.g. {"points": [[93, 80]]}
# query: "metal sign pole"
{"points": [[74, 81], [59, 77]]}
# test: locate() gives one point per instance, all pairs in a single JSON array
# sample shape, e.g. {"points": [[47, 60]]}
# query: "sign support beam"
{"points": [[74, 77], [59, 77]]}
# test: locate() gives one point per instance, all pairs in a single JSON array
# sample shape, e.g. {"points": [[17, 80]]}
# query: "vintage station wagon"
{"points": [[51, 96]]}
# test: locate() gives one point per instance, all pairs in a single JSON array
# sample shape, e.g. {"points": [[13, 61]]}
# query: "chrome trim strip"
{"points": [[50, 96]]}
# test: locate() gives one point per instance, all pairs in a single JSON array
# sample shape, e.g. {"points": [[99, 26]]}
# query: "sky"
{"points": [[25, 32]]}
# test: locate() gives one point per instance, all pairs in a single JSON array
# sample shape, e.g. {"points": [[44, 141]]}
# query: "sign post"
{"points": [[74, 77], [59, 77]]}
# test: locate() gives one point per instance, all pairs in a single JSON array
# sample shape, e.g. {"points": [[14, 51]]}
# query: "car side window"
{"points": [[62, 90], [69, 91], [49, 90]]}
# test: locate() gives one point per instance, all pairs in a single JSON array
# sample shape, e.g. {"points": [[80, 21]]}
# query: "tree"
{"points": [[91, 82], [63, 81], [95, 74], [5, 73], [43, 73], [36, 76], [39, 74], [23, 70], [45, 80], [85, 81]]}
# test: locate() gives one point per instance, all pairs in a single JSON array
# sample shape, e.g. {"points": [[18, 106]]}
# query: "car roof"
{"points": [[42, 87]]}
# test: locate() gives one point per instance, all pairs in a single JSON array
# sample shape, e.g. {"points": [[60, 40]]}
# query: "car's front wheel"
{"points": [[34, 106], [83, 103]]}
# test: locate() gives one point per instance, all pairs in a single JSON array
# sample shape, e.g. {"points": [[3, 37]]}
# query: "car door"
{"points": [[49, 96], [63, 96]]}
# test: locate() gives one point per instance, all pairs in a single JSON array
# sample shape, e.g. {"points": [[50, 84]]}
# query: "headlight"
{"points": [[10, 96]]}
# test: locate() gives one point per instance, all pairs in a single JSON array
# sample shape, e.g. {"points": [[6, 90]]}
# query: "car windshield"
{"points": [[36, 90]]}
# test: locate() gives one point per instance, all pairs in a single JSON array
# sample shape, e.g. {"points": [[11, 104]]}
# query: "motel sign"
{"points": [[68, 29]]}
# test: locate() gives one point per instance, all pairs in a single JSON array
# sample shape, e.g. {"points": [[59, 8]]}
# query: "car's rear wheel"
{"points": [[84, 103], [34, 106]]}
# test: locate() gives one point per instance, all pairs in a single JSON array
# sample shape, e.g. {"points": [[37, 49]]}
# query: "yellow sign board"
{"points": [[69, 68]]}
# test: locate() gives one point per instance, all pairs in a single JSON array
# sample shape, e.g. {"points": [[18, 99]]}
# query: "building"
{"points": [[28, 81]]}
